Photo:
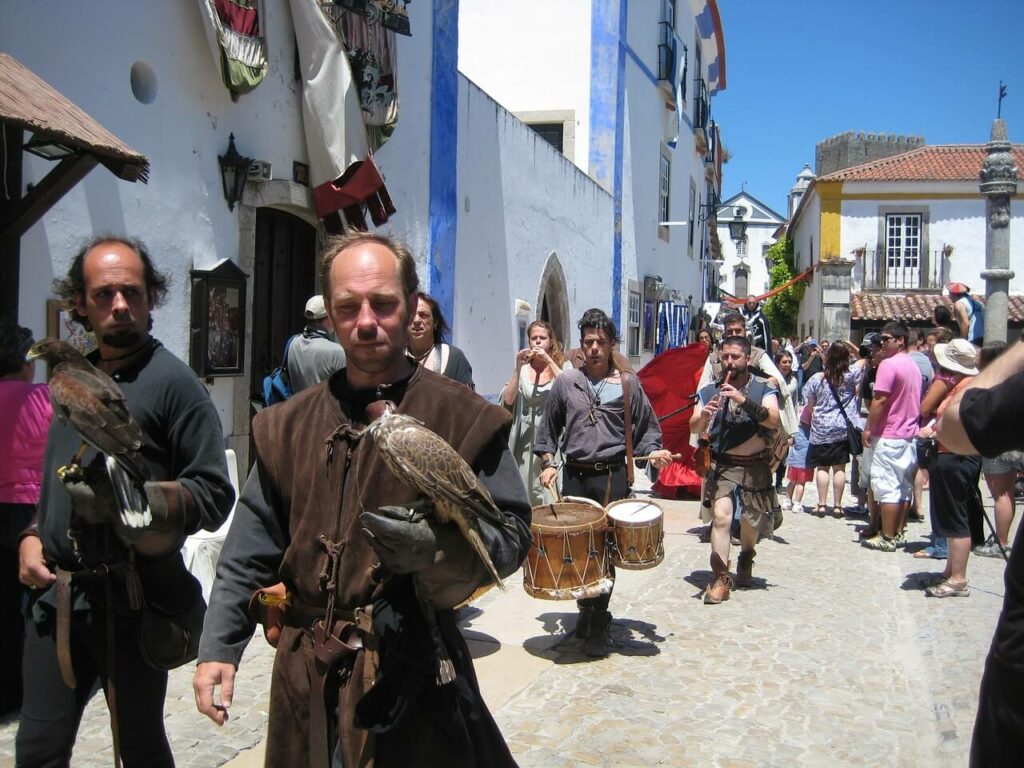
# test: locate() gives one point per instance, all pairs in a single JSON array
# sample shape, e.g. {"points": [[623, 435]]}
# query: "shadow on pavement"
{"points": [[480, 644], [627, 637]]}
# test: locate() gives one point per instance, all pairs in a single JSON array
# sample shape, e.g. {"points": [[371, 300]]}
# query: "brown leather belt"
{"points": [[596, 466], [734, 460]]}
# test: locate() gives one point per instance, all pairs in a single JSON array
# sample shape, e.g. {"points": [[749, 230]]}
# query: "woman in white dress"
{"points": [[525, 395]]}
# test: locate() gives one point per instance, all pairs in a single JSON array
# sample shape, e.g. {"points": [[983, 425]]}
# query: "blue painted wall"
{"points": [[607, 119], [444, 139]]}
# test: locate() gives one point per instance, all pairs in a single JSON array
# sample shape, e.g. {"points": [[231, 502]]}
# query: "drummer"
{"points": [[585, 412], [741, 412]]}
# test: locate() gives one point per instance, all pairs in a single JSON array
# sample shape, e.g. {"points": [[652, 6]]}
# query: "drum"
{"points": [[568, 559], [637, 535]]}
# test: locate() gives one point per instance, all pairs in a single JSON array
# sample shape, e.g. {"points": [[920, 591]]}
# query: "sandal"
{"points": [[837, 512], [819, 511], [928, 553]]}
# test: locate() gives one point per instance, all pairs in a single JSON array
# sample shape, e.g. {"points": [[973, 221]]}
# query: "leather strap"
{"points": [[115, 730], [67, 671], [627, 415]]}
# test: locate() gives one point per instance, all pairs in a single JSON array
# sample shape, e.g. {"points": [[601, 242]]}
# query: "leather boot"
{"points": [[718, 589], [582, 628], [745, 568], [597, 642]]}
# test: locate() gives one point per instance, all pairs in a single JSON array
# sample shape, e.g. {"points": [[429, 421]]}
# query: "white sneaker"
{"points": [[787, 504]]}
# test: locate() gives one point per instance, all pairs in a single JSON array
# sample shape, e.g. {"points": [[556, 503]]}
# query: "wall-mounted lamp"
{"points": [[234, 170], [48, 147], [738, 227], [705, 210]]}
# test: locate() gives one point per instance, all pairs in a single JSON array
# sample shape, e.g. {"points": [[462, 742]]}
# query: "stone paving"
{"points": [[834, 658]]}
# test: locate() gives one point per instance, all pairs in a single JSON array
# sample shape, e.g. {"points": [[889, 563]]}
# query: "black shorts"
{"points": [[828, 454], [954, 494]]}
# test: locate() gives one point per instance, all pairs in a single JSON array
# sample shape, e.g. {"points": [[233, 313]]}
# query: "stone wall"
{"points": [[849, 149]]}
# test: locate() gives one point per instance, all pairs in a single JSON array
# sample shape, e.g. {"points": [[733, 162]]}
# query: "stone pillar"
{"points": [[998, 184], [836, 278]]}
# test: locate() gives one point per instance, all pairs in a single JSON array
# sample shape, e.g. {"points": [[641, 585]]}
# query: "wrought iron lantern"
{"points": [[234, 170]]}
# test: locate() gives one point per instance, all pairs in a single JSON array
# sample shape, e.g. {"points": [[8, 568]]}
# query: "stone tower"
{"points": [[849, 149]]}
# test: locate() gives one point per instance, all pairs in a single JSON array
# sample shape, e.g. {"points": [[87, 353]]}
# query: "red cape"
{"points": [[669, 380]]}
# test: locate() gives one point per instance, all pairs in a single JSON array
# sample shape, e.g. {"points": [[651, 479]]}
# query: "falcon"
{"points": [[422, 460], [92, 404]]}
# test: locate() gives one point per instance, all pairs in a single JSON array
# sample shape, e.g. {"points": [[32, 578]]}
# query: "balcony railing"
{"points": [[901, 270]]}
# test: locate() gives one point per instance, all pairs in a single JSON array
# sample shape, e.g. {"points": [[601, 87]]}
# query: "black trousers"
{"points": [[603, 487], [13, 519], [999, 727], [51, 711]]}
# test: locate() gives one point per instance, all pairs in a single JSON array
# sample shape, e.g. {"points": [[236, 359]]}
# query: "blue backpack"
{"points": [[277, 386]]}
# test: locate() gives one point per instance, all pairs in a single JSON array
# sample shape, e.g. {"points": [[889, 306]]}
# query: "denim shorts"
{"points": [[1004, 463]]}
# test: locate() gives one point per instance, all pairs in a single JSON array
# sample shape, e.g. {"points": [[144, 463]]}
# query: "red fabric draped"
{"points": [[669, 380]]}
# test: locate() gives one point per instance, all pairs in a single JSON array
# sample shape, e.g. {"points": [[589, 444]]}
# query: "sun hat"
{"points": [[959, 356], [957, 289], [315, 309]]}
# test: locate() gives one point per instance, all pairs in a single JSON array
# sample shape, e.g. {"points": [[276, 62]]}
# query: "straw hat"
{"points": [[959, 356]]}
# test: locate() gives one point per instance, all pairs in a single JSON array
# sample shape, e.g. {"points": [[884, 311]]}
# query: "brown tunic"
{"points": [[316, 477]]}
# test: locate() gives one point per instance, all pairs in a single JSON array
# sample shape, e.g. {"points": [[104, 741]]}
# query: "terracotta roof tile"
{"points": [[914, 307], [944, 162], [34, 105]]}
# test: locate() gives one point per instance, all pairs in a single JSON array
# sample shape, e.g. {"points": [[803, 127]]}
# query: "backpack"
{"points": [[277, 386]]}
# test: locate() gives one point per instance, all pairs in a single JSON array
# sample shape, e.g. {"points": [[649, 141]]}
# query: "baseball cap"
{"points": [[870, 340], [315, 309], [956, 289]]}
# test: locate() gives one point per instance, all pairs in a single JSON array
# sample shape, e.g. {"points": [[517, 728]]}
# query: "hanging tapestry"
{"points": [[233, 27]]}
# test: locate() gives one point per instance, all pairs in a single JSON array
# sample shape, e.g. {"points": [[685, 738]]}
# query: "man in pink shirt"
{"points": [[890, 431]]}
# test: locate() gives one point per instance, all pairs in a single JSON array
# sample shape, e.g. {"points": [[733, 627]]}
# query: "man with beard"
{"points": [[761, 365], [91, 574], [586, 416], [357, 673], [740, 412]]}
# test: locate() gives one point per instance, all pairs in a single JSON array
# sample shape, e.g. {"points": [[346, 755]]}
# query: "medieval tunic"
{"points": [[311, 480]]}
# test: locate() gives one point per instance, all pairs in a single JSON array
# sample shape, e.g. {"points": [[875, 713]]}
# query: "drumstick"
{"points": [[553, 490], [674, 457]]}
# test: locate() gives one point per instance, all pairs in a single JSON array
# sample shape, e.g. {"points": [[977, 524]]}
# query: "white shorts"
{"points": [[864, 468], [893, 463]]}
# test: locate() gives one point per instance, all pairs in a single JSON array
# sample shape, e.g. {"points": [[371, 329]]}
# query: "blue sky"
{"points": [[799, 71]]}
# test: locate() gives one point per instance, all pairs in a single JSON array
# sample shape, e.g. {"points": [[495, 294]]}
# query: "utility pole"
{"points": [[998, 184]]}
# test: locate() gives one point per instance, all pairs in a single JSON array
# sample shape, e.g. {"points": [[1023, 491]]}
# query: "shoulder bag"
{"points": [[854, 435]]}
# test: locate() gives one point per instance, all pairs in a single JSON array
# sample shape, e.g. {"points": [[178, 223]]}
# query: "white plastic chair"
{"points": [[202, 549]]}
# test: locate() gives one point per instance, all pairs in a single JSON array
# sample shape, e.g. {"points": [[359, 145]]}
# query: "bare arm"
{"points": [[935, 395], [962, 319], [950, 428]]}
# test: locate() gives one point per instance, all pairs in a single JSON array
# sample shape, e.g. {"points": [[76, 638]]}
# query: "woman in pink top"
{"points": [[25, 414]]}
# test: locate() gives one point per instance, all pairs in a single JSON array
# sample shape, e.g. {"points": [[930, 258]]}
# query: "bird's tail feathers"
{"points": [[481, 550], [133, 505]]}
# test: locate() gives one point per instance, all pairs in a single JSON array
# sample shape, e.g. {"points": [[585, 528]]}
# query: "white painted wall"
{"points": [[180, 213], [519, 202], [957, 222], [531, 55]]}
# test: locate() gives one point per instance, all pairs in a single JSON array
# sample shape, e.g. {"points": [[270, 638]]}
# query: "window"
{"points": [[664, 177], [740, 284], [633, 325], [552, 133], [692, 213], [903, 250], [764, 250], [741, 249], [648, 326]]}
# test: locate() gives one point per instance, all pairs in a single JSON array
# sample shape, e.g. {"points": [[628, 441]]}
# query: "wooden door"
{"points": [[284, 277]]}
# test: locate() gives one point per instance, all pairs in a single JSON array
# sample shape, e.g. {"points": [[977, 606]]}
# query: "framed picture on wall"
{"points": [[61, 325], [218, 321]]}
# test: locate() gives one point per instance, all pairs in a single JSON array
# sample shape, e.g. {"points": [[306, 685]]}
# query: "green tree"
{"points": [[782, 308]]}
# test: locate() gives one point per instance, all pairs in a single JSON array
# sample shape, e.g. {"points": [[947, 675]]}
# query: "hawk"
{"points": [[422, 460], [91, 403]]}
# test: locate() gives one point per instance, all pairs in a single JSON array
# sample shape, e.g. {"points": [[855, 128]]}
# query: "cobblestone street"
{"points": [[834, 658]]}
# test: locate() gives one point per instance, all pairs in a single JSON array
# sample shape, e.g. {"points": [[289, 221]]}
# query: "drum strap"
{"points": [[627, 415]]}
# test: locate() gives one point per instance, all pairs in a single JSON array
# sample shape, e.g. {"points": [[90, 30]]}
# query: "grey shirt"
{"points": [[312, 357], [567, 415]]}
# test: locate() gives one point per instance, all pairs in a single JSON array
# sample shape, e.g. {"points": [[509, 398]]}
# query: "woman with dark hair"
{"points": [[25, 415], [525, 395], [831, 394], [704, 337], [427, 331], [943, 318]]}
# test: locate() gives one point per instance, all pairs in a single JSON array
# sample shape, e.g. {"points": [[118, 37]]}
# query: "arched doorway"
{"points": [[553, 301]]}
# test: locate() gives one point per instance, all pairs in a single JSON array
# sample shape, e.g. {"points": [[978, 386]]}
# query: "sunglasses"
{"points": [[887, 338]]}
